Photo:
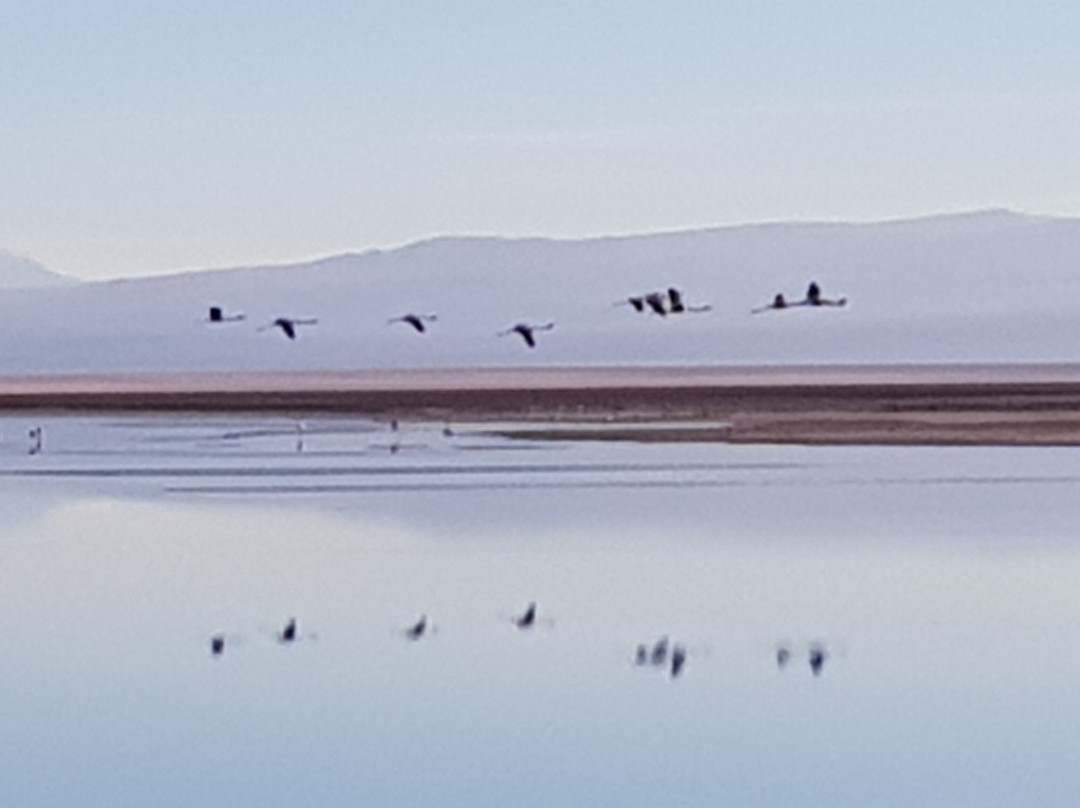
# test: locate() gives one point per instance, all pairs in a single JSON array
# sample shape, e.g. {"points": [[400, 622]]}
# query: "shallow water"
{"points": [[941, 582]]}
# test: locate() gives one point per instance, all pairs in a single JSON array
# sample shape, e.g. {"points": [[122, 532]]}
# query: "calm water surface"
{"points": [[943, 584]]}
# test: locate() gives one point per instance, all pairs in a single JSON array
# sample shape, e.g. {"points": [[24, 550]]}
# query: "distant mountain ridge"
{"points": [[20, 271], [987, 286]]}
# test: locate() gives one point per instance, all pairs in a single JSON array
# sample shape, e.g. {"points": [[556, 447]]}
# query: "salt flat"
{"points": [[942, 404], [940, 580]]}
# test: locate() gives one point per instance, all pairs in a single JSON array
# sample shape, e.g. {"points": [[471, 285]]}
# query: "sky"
{"points": [[141, 137]]}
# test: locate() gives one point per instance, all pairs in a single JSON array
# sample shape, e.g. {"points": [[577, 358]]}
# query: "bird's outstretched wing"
{"points": [[655, 301], [675, 300]]}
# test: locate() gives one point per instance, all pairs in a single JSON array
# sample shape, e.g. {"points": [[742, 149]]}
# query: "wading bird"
{"points": [[217, 645], [415, 320], [218, 315], [817, 659], [526, 331], [288, 325], [36, 436]]}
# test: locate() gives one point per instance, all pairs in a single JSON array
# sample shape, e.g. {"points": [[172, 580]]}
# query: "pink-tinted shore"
{"points": [[936, 404]]}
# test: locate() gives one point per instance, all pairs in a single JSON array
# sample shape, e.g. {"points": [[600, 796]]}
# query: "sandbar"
{"points": [[1017, 404]]}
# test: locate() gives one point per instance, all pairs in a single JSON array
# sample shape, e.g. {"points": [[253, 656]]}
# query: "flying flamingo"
{"points": [[677, 306], [415, 320], [655, 301], [218, 315], [637, 301], [778, 302], [814, 298], [288, 325], [526, 331]]}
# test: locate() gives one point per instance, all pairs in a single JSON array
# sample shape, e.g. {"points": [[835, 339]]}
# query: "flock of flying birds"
{"points": [[663, 654], [662, 303]]}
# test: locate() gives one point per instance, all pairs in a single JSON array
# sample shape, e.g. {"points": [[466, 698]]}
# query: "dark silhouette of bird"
{"points": [[814, 298], [36, 436], [678, 660], [641, 654], [653, 301], [635, 301], [289, 633], [783, 656], [657, 303], [415, 320], [288, 325], [676, 305], [778, 302], [218, 315], [659, 654], [675, 301], [217, 645], [417, 629], [526, 331], [817, 659], [526, 619]]}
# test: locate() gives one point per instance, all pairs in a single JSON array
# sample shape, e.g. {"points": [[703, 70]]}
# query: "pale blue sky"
{"points": [[142, 137]]}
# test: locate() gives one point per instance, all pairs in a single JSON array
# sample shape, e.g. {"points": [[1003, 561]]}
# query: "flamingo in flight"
{"points": [[814, 298], [778, 302], [288, 325], [637, 301], [655, 301], [415, 320], [677, 306], [216, 314], [526, 331], [663, 303]]}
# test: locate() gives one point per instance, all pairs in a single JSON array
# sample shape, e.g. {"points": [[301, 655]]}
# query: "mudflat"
{"points": [[1034, 404]]}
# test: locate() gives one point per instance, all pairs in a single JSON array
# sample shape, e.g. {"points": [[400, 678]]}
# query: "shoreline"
{"points": [[1035, 404]]}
